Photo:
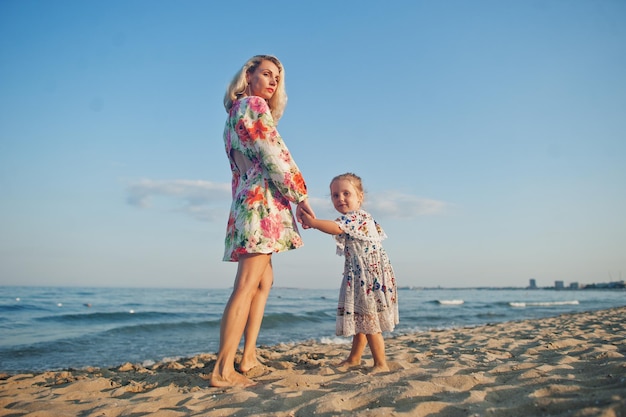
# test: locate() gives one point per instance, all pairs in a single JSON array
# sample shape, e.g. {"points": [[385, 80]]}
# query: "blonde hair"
{"points": [[237, 87], [354, 179]]}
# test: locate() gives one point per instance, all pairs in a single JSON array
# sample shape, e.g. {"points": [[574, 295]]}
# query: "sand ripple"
{"points": [[570, 365]]}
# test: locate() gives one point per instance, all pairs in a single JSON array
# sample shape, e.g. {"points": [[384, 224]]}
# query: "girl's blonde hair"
{"points": [[237, 87], [354, 179]]}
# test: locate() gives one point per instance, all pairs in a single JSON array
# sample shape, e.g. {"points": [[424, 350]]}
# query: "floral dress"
{"points": [[368, 298], [261, 219]]}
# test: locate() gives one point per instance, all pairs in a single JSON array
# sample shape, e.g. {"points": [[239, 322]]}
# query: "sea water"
{"points": [[59, 328]]}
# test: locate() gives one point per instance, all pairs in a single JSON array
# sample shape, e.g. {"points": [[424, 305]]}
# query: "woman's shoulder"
{"points": [[254, 103]]}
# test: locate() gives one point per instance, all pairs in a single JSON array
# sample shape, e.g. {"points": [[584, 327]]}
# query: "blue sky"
{"points": [[491, 137]]}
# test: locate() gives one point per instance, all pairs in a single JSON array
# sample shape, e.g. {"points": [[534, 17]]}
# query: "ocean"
{"points": [[59, 328]]}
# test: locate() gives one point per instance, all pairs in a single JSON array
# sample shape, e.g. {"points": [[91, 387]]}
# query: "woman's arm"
{"points": [[275, 157]]}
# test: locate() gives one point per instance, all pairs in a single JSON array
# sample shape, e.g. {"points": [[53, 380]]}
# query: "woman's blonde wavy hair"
{"points": [[237, 87]]}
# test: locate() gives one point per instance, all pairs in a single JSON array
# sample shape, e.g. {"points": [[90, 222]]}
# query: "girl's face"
{"points": [[264, 80], [345, 196]]}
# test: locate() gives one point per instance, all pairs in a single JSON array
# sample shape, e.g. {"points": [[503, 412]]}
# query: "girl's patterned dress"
{"points": [[260, 220], [368, 298]]}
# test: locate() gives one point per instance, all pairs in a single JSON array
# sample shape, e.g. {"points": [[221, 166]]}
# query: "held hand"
{"points": [[307, 220], [304, 208]]}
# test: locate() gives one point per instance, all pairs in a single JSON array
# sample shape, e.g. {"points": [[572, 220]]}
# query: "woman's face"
{"points": [[264, 80], [345, 196]]}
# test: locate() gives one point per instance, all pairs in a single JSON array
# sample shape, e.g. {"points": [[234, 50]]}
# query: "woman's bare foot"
{"points": [[235, 379]]}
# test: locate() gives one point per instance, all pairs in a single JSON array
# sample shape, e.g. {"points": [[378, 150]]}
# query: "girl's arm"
{"points": [[326, 226]]}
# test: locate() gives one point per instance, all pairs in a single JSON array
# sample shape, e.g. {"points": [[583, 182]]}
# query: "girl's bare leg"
{"points": [[358, 346], [253, 326], [377, 346], [250, 273]]}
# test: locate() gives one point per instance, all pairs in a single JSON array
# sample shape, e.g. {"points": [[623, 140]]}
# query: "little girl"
{"points": [[368, 299]]}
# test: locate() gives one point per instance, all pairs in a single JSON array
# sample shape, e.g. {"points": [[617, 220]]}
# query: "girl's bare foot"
{"points": [[245, 366], [348, 364], [235, 379], [379, 369]]}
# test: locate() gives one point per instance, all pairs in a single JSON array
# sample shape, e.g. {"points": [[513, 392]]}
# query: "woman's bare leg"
{"points": [[253, 326], [249, 275], [377, 346]]}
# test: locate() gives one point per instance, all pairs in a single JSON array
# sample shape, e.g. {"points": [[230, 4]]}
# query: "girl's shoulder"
{"points": [[359, 215], [360, 224]]}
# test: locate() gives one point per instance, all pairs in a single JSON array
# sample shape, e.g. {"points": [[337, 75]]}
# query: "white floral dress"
{"points": [[261, 219], [368, 298]]}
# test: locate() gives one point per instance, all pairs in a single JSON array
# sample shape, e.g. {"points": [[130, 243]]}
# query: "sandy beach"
{"points": [[570, 365]]}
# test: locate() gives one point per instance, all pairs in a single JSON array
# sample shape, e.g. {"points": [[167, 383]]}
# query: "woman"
{"points": [[265, 181]]}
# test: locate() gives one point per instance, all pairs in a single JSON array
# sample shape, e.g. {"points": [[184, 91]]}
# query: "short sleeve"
{"points": [[360, 225], [340, 241], [357, 225]]}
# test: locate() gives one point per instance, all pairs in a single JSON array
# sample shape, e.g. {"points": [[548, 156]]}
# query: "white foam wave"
{"points": [[335, 340], [543, 304], [450, 302]]}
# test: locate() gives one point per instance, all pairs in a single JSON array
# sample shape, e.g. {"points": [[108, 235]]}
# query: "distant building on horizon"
{"points": [[559, 285], [614, 285], [533, 284]]}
